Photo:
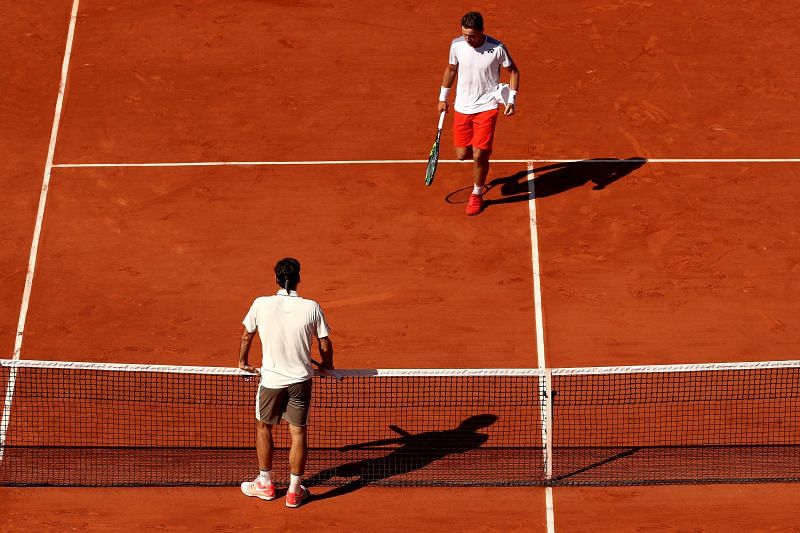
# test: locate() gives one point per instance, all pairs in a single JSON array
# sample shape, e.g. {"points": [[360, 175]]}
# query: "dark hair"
{"points": [[287, 273], [472, 20]]}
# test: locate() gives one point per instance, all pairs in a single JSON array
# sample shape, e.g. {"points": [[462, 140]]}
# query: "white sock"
{"points": [[265, 476], [294, 483], [477, 189]]}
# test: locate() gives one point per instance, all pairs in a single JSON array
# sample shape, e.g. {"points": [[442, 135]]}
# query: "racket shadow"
{"points": [[551, 180], [413, 452]]}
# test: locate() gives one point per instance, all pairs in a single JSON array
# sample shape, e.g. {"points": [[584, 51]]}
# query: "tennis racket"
{"points": [[433, 159]]}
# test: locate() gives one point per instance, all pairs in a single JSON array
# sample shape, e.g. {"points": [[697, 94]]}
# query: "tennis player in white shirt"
{"points": [[477, 58], [287, 324]]}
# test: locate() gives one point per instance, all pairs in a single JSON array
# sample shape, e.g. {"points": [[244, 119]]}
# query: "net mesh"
{"points": [[707, 424], [94, 425], [107, 425]]}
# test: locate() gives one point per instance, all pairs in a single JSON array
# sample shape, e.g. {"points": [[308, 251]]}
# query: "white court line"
{"points": [[549, 508], [537, 285], [402, 162], [545, 403], [5, 419]]}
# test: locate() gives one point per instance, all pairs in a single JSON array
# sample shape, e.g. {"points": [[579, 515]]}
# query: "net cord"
{"points": [[411, 372], [663, 369], [230, 371]]}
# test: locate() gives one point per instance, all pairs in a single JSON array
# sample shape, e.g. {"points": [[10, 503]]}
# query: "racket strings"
{"points": [[433, 160]]}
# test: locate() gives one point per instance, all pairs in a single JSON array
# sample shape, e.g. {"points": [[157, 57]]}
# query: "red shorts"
{"points": [[474, 130]]}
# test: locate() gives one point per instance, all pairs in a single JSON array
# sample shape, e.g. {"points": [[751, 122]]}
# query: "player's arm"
{"points": [[244, 350], [373, 444], [513, 72], [326, 353], [448, 78], [513, 84]]}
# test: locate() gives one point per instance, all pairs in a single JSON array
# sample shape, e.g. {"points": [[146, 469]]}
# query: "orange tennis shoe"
{"points": [[296, 499], [257, 490], [474, 204]]}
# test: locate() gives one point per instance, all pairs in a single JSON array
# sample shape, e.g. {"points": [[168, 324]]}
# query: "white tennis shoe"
{"points": [[258, 490]]}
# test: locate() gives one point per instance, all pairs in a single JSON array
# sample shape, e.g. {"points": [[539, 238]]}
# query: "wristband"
{"points": [[512, 97], [443, 92]]}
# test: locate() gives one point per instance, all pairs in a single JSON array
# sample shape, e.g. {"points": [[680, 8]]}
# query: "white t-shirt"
{"points": [[478, 73], [286, 324]]}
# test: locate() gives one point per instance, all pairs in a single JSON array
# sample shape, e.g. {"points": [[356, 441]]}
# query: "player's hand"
{"points": [[443, 107], [248, 368], [509, 110], [325, 365]]}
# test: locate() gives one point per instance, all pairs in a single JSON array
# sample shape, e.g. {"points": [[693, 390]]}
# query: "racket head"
{"points": [[433, 161]]}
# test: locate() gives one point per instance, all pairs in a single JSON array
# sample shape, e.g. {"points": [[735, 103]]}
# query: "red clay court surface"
{"points": [[671, 263]]}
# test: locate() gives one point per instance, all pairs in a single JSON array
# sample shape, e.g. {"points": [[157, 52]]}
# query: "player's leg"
{"points": [[484, 125], [265, 447], [298, 453], [480, 170], [268, 411], [463, 153], [462, 135], [481, 159], [297, 416]]}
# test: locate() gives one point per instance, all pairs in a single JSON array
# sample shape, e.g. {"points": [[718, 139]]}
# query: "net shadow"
{"points": [[603, 466], [413, 452]]}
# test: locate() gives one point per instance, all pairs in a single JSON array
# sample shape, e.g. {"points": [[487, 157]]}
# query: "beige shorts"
{"points": [[290, 403]]}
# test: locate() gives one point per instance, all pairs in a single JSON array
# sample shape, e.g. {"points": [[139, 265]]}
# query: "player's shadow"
{"points": [[552, 179], [413, 452]]}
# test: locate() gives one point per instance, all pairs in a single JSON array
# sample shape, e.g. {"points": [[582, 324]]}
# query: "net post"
{"points": [[546, 414]]}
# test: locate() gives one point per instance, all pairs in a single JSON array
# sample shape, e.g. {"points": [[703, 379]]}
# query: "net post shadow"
{"points": [[413, 452]]}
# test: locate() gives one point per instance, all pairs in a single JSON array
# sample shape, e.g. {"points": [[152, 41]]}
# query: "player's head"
{"points": [[287, 273], [472, 28]]}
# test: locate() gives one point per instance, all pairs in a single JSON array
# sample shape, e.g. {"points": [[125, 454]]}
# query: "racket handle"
{"points": [[441, 120]]}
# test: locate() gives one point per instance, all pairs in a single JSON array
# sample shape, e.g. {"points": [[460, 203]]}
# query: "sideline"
{"points": [[5, 419]]}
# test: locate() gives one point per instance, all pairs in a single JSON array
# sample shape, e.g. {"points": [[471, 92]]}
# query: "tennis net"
{"points": [[99, 424]]}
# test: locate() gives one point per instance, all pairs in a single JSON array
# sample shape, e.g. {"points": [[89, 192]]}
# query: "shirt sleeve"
{"points": [[322, 325], [453, 59], [249, 321], [505, 57]]}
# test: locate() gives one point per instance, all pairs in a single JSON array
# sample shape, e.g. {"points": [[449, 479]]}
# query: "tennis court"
{"points": [[643, 211]]}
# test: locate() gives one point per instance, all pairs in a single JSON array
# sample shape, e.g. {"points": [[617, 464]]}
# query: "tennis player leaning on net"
{"points": [[286, 324], [477, 59]]}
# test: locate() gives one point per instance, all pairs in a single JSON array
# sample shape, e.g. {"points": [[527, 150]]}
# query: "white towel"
{"points": [[502, 94]]}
